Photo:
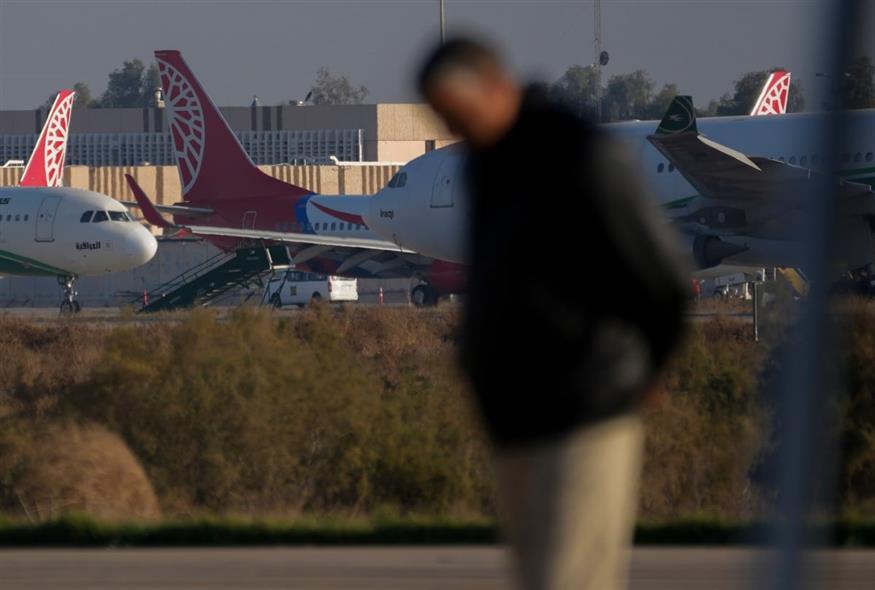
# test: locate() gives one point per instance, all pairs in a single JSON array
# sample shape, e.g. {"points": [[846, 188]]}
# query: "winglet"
{"points": [[149, 211], [679, 118]]}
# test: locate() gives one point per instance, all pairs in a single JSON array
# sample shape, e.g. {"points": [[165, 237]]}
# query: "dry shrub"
{"points": [[710, 430], [255, 415], [40, 361], [55, 468]]}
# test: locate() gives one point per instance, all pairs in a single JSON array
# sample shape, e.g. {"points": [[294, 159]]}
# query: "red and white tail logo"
{"points": [[773, 98], [46, 164], [212, 164]]}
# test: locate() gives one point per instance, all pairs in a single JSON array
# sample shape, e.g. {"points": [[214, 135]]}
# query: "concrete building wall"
{"points": [[161, 183], [391, 131]]}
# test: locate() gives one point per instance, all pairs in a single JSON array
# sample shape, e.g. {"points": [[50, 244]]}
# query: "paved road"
{"points": [[413, 568]]}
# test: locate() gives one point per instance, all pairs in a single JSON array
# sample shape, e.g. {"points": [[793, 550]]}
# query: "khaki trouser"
{"points": [[569, 506]]}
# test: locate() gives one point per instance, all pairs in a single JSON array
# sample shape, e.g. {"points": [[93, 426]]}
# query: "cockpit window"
{"points": [[86, 217], [402, 179], [100, 216], [118, 216], [393, 182]]}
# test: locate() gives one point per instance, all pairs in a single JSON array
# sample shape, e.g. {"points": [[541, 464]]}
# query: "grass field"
{"points": [[356, 413]]}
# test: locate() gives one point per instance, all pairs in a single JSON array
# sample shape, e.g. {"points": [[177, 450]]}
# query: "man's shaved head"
{"points": [[468, 85]]}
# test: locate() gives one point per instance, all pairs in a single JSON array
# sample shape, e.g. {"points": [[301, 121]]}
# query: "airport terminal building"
{"points": [[307, 134]]}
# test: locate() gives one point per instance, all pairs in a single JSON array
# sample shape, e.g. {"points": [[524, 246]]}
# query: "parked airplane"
{"points": [[49, 230], [423, 208], [224, 194]]}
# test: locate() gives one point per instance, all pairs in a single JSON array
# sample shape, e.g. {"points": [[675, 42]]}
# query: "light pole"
{"points": [[443, 22], [600, 57]]}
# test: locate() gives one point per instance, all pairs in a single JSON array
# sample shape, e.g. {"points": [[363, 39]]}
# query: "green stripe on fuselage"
{"points": [[13, 264]]}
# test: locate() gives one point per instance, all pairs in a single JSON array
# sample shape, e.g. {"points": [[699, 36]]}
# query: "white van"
{"points": [[296, 287]]}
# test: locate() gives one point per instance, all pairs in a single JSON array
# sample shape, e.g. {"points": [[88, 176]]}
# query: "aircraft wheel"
{"points": [[316, 298], [424, 296]]}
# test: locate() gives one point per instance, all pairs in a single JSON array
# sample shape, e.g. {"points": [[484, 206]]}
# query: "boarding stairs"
{"points": [[208, 281]]}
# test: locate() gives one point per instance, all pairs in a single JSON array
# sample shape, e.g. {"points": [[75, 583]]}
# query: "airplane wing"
{"points": [[721, 173], [353, 256]]}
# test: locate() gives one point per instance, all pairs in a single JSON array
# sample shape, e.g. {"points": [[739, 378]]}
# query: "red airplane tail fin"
{"points": [[773, 98], [212, 164], [46, 164]]}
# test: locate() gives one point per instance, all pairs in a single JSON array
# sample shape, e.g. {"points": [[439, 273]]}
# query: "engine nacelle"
{"points": [[710, 251]]}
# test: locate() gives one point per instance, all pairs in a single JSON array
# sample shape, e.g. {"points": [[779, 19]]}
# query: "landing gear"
{"points": [[424, 295], [69, 304]]}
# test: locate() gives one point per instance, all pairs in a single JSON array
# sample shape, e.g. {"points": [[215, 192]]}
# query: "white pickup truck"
{"points": [[296, 287]]}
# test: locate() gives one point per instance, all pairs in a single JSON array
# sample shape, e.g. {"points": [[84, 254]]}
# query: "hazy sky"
{"points": [[273, 48]]}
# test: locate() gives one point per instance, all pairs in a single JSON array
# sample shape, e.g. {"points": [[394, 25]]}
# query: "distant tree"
{"points": [[132, 85], [628, 96], [576, 89], [747, 91], [331, 89], [83, 98], [860, 84], [660, 101]]}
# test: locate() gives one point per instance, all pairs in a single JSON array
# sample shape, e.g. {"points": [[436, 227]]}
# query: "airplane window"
{"points": [[671, 167], [117, 215], [858, 157], [402, 179], [333, 226], [792, 159], [660, 168], [26, 216], [100, 216], [803, 160], [18, 218], [781, 159], [868, 156], [86, 217]]}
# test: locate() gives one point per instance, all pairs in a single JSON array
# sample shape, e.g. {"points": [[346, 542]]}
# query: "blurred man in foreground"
{"points": [[575, 298]]}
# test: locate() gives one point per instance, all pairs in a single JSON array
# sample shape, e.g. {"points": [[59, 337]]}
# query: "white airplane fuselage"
{"points": [[428, 213], [46, 231]]}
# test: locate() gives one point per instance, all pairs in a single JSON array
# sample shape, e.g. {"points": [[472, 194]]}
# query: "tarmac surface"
{"points": [[413, 568]]}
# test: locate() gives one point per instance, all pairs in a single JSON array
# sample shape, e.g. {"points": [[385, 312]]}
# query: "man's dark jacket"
{"points": [[575, 291]]}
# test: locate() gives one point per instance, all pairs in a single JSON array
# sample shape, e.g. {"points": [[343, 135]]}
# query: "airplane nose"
{"points": [[141, 246]]}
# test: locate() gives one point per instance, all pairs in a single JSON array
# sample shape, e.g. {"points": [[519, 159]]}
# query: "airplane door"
{"points": [[249, 219], [442, 194], [45, 219]]}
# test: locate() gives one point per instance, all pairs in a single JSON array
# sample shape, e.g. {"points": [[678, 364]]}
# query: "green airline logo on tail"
{"points": [[680, 117]]}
